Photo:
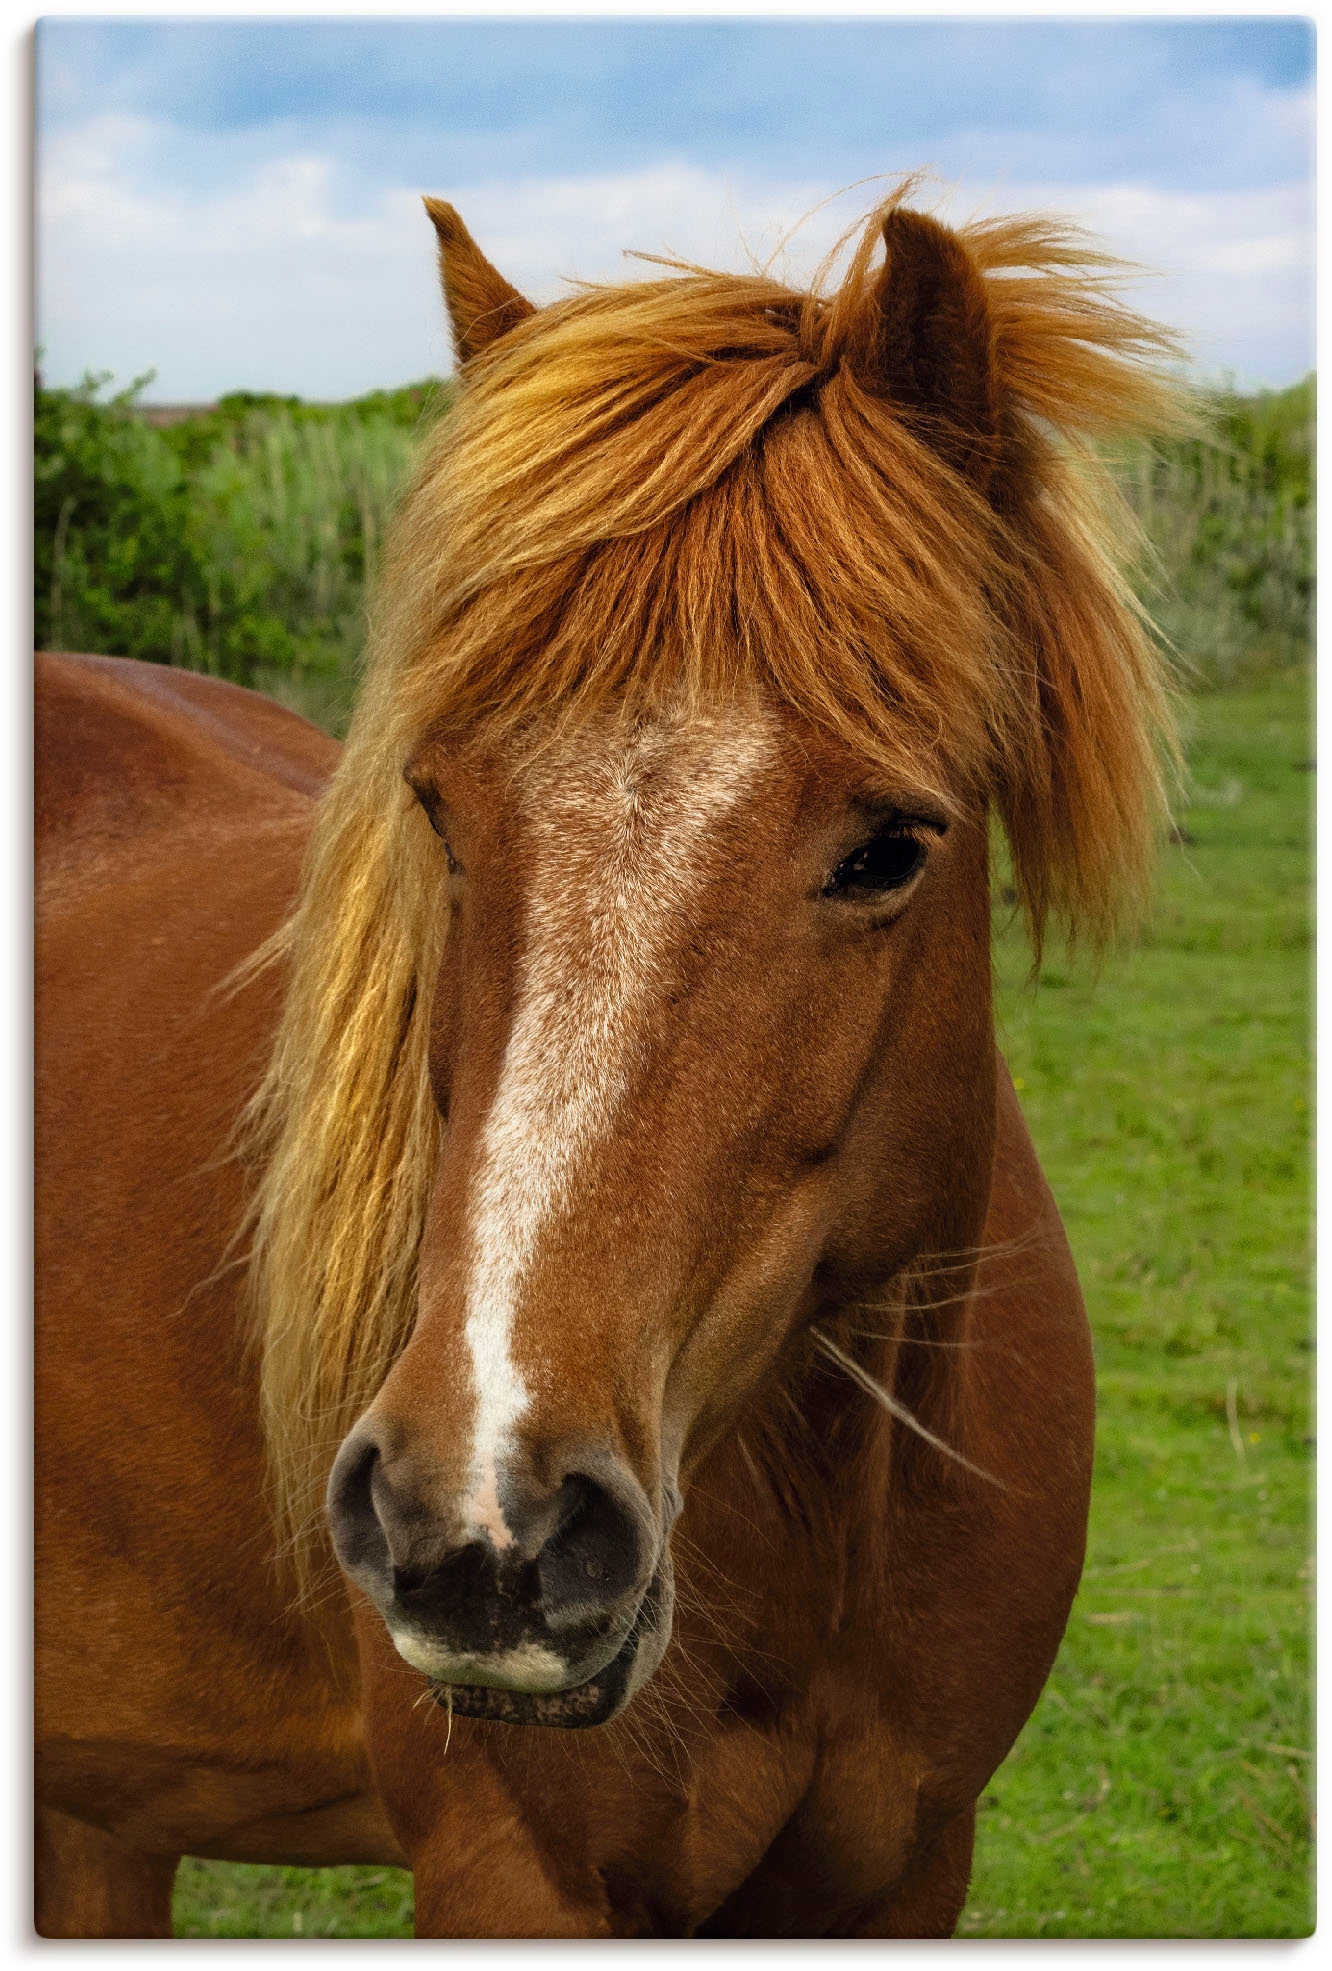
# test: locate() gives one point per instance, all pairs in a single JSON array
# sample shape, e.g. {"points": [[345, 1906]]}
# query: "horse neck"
{"points": [[803, 1488]]}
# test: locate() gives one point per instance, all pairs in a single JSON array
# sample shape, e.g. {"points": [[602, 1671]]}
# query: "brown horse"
{"points": [[602, 1188]]}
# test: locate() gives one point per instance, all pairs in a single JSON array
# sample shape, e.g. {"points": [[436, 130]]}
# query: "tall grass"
{"points": [[1232, 525], [243, 539]]}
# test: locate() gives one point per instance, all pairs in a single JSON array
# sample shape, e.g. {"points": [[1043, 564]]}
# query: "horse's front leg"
{"points": [[490, 1881], [932, 1893], [89, 1884], [454, 1790]]}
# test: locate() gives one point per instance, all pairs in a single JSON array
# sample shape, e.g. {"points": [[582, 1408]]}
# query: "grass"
{"points": [[242, 1899], [1163, 1785]]}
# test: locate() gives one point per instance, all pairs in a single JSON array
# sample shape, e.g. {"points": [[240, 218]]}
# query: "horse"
{"points": [[558, 1365]]}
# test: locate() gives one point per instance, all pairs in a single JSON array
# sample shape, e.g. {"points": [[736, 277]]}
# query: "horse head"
{"points": [[646, 1032], [711, 1034]]}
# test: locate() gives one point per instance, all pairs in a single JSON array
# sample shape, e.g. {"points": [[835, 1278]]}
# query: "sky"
{"points": [[235, 203]]}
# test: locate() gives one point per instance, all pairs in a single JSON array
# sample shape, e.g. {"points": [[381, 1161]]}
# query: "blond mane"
{"points": [[681, 488]]}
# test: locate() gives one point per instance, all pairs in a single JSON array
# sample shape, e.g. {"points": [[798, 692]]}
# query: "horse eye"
{"points": [[886, 862], [430, 807]]}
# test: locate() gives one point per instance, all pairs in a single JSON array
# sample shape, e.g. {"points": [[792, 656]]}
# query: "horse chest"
{"points": [[739, 1828], [775, 1839]]}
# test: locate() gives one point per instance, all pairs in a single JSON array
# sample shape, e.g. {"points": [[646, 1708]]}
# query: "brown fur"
{"points": [[473, 291], [683, 494]]}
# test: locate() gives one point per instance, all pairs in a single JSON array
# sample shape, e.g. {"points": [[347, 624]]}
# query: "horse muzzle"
{"points": [[596, 1700], [558, 1623]]}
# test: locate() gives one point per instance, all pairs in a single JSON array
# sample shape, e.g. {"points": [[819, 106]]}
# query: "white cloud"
{"points": [[229, 263], [1233, 270]]}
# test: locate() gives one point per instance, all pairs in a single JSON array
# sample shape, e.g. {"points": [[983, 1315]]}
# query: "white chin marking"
{"points": [[619, 828], [529, 1667]]}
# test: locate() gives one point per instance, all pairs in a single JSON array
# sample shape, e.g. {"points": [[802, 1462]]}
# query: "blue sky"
{"points": [[236, 202]]}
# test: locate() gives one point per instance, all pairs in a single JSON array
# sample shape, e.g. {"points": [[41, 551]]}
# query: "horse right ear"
{"points": [[481, 304], [926, 342]]}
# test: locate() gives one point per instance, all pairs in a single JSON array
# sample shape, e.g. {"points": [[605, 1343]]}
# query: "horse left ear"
{"points": [[481, 304], [926, 342]]}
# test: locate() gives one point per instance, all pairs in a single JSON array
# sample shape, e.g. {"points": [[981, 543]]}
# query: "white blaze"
{"points": [[620, 831]]}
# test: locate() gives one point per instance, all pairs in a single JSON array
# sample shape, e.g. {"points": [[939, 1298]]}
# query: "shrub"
{"points": [[240, 540], [1232, 522]]}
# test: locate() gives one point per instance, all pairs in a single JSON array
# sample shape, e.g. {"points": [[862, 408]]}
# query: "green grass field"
{"points": [[1163, 1787]]}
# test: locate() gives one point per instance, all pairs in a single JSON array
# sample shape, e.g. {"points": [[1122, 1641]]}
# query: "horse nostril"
{"points": [[359, 1537], [595, 1555], [570, 1577]]}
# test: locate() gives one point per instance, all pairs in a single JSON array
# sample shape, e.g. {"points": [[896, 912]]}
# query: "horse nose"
{"points": [[572, 1552]]}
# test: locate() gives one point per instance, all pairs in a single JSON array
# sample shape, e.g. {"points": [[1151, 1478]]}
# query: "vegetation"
{"points": [[1163, 1786], [241, 540], [1232, 525]]}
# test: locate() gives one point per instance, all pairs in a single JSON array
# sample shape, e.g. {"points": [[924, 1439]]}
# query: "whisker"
{"points": [[910, 1341], [898, 1410], [714, 1499]]}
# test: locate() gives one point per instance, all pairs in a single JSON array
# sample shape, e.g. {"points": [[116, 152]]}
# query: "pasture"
{"points": [[1163, 1786]]}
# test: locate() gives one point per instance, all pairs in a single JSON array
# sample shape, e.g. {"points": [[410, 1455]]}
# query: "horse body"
{"points": [[652, 1288], [179, 1706], [824, 1730]]}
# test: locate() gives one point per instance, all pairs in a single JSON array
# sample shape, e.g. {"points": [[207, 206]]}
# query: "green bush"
{"points": [[114, 566], [240, 541]]}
